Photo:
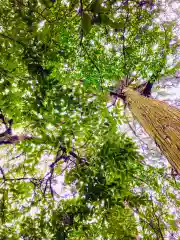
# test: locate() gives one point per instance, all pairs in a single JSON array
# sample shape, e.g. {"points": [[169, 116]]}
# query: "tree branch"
{"points": [[12, 39]]}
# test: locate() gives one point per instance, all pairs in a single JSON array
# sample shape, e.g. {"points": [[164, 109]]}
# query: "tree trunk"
{"points": [[160, 121]]}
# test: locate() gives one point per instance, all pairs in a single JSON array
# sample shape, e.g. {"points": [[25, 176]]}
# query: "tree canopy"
{"points": [[67, 170]]}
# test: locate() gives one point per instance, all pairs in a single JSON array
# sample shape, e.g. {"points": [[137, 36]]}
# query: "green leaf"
{"points": [[73, 4], [107, 21], [95, 6], [86, 23], [60, 235]]}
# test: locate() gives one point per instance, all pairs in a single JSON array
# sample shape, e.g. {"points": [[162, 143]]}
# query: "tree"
{"points": [[161, 121], [58, 61]]}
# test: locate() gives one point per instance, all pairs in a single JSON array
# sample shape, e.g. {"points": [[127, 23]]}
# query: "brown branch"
{"points": [[47, 180], [15, 139], [117, 95], [23, 178]]}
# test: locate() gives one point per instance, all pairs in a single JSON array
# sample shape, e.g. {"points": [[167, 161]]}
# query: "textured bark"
{"points": [[160, 121]]}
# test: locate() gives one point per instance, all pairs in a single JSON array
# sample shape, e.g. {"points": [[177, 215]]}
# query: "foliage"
{"points": [[58, 59]]}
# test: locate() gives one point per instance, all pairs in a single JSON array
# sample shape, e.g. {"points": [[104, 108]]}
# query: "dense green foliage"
{"points": [[58, 59]]}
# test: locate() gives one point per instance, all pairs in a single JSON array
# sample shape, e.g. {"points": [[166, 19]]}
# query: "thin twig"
{"points": [[124, 52], [3, 174], [157, 219], [146, 222], [19, 155], [19, 179]]}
